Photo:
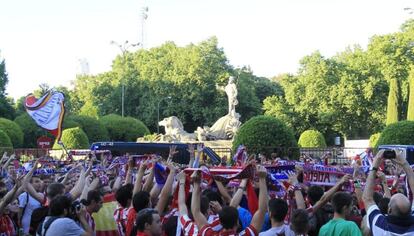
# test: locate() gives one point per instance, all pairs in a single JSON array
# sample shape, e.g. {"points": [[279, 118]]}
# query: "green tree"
{"points": [[6, 109], [312, 139], [73, 138], [262, 133], [30, 130], [123, 129], [392, 107], [12, 130], [400, 133], [5, 140], [410, 111], [190, 75], [93, 128], [373, 140]]}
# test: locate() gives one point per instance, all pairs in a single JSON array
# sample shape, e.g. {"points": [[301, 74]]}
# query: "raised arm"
{"points": [[149, 181], [128, 178], [76, 191], [138, 180], [368, 194], [400, 160], [11, 158], [237, 197], [328, 195], [300, 201], [192, 156], [166, 190], [28, 186], [223, 191], [10, 195], [258, 217], [199, 218], [182, 207], [384, 184]]}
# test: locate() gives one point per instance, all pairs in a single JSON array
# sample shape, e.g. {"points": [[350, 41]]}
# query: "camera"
{"points": [[389, 154], [75, 207]]}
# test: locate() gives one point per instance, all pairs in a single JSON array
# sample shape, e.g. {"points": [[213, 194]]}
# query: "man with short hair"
{"points": [[148, 223], [400, 218], [278, 209], [342, 203], [27, 204]]}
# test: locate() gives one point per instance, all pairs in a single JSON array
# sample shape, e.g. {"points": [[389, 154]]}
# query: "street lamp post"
{"points": [[124, 48], [158, 113]]}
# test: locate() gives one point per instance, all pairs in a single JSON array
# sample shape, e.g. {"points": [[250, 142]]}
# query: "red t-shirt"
{"points": [[208, 231], [7, 226], [132, 214]]}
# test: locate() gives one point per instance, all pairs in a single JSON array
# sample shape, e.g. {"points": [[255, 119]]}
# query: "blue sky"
{"points": [[43, 40]]}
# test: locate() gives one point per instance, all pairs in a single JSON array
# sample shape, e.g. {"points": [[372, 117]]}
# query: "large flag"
{"points": [[47, 111]]}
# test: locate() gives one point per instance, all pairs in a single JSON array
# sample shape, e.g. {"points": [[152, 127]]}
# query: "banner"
{"points": [[48, 111]]}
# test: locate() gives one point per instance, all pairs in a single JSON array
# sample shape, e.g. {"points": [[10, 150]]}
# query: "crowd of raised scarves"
{"points": [[113, 172]]}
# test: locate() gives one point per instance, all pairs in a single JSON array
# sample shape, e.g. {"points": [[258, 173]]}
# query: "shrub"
{"points": [[397, 133], [261, 133], [31, 131], [374, 139], [5, 140], [73, 138], [12, 130], [93, 128], [123, 129], [312, 139], [137, 127], [68, 123]]}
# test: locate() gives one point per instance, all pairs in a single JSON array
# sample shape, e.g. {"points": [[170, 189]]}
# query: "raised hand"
{"points": [[381, 176], [200, 148], [261, 171], [196, 176], [191, 148], [181, 176], [345, 179], [293, 178], [399, 158], [215, 206]]}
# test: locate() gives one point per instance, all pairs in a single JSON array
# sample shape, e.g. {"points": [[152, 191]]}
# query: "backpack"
{"points": [[46, 224], [38, 217]]}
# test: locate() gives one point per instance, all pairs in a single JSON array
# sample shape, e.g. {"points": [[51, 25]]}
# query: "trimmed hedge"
{"points": [[397, 133], [312, 139], [126, 129], [73, 138], [5, 140], [68, 123], [93, 128], [261, 133], [31, 131], [374, 139], [12, 130]]}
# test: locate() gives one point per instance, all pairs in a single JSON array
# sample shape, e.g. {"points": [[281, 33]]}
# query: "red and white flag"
{"points": [[47, 111]]}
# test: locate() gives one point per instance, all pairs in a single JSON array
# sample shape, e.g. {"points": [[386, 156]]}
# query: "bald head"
{"points": [[399, 205]]}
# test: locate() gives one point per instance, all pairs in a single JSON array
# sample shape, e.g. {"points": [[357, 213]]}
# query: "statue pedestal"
{"points": [[218, 144]]}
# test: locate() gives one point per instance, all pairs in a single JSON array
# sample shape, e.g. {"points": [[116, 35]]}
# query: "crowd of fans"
{"points": [[188, 204]]}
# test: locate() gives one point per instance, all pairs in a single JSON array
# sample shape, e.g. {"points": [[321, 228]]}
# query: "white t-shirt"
{"points": [[278, 230], [31, 205]]}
